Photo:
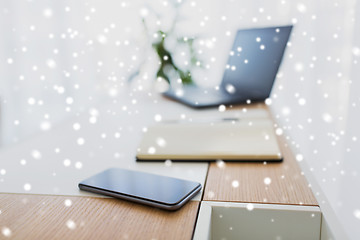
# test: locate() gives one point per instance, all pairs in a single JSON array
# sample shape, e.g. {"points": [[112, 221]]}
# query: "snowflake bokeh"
{"points": [[63, 61]]}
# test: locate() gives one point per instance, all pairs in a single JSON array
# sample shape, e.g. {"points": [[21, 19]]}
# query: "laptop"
{"points": [[249, 74]]}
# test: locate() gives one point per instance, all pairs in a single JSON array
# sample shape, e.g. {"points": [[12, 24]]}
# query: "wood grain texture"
{"points": [[245, 182], [47, 217]]}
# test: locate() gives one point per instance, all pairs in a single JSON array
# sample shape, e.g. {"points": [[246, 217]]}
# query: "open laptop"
{"points": [[250, 72]]}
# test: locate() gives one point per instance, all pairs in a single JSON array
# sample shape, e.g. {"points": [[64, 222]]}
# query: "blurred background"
{"points": [[60, 58]]}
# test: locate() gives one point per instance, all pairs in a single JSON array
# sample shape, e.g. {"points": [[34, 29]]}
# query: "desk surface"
{"points": [[42, 216], [276, 183], [47, 217]]}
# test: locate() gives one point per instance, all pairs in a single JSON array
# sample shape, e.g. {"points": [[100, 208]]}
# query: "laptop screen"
{"points": [[254, 61]]}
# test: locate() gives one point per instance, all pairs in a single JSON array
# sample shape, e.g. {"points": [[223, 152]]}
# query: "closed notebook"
{"points": [[242, 140]]}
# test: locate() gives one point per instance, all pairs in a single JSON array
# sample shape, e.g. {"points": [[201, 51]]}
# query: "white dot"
{"points": [[113, 92], [235, 184], [2, 171], [211, 194], [327, 117], [80, 141], [220, 163], [157, 117], [151, 150], [299, 157], [45, 125], [69, 100], [10, 61], [230, 88], [23, 162], [168, 163], [301, 7], [279, 131], [262, 47], [179, 92], [6, 232], [246, 61], [299, 67], [27, 187], [161, 142], [35, 154], [302, 101], [78, 165], [71, 224], [94, 112], [285, 111], [93, 120], [76, 126], [117, 135], [357, 213], [267, 180], [222, 108], [67, 162], [144, 12], [250, 206], [47, 13], [102, 39], [268, 101], [60, 90], [67, 202], [356, 51], [31, 101], [51, 63], [258, 39]]}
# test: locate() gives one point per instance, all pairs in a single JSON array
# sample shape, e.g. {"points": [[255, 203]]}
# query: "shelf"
{"points": [[223, 220]]}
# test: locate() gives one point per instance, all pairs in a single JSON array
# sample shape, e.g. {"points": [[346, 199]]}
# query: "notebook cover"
{"points": [[243, 140]]}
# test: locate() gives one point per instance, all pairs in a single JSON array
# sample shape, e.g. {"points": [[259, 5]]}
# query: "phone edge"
{"points": [[170, 207]]}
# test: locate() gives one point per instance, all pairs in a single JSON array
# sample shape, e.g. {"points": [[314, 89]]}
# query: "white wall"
{"points": [[316, 103], [60, 57]]}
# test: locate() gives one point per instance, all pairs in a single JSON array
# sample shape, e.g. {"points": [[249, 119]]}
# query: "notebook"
{"points": [[227, 140], [250, 72]]}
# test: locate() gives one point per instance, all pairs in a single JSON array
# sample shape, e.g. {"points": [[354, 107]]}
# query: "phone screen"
{"points": [[140, 185]]}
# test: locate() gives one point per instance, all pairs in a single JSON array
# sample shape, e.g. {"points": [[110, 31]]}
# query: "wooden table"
{"points": [[25, 216], [245, 182], [47, 217]]}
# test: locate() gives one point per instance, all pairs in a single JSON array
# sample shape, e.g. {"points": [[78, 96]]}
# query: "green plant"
{"points": [[166, 60]]}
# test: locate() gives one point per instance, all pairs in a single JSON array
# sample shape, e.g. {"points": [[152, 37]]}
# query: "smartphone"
{"points": [[158, 191]]}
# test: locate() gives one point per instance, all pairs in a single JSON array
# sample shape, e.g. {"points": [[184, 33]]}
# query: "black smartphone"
{"points": [[158, 191]]}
